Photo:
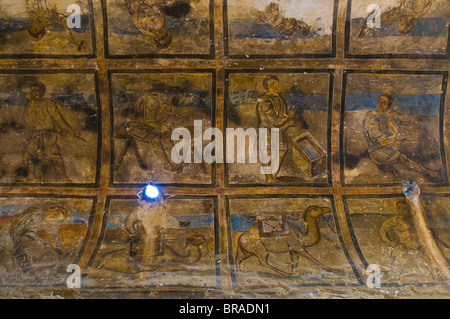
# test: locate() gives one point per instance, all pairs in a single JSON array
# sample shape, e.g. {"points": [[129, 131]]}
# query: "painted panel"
{"points": [[290, 240], [150, 245], [49, 128]]}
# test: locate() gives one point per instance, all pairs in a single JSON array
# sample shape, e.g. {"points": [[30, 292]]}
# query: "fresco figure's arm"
{"points": [[61, 125], [164, 112]]}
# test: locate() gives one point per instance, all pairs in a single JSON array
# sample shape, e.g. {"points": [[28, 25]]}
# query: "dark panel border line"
{"points": [[217, 239], [279, 56], [114, 184], [96, 184], [210, 56], [86, 239], [92, 55], [443, 154], [387, 55], [355, 239], [331, 72], [358, 279]]}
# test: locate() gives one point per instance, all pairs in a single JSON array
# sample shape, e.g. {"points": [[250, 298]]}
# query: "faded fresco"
{"points": [[40, 238], [386, 236], [149, 244], [49, 128], [286, 241], [392, 128], [272, 27], [407, 27], [141, 147], [158, 27], [147, 108], [295, 103], [39, 27]]}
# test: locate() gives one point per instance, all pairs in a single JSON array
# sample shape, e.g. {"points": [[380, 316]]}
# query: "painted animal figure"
{"points": [[119, 261], [252, 244], [193, 251]]}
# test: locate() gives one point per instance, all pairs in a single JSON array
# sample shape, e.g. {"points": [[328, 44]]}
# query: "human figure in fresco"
{"points": [[398, 230], [148, 121], [150, 17], [272, 112], [273, 16], [33, 227], [405, 15], [43, 15], [382, 133], [148, 247], [48, 123], [399, 235]]}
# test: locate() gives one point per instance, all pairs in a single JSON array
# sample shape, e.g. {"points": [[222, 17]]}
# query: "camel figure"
{"points": [[252, 244]]}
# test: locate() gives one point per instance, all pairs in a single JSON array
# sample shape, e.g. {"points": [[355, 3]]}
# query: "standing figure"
{"points": [[43, 15], [382, 133], [405, 15], [272, 112], [48, 123]]}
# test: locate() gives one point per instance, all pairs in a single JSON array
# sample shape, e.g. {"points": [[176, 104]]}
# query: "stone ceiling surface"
{"points": [[100, 98]]}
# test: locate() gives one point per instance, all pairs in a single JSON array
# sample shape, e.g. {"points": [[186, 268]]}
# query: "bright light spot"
{"points": [[151, 192]]}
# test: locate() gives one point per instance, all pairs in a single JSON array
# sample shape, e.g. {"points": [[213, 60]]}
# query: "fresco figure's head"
{"points": [[271, 84], [406, 24], [403, 208], [385, 102], [57, 213], [37, 91]]}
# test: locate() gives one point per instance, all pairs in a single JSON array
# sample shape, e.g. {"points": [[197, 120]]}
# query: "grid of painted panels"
{"points": [[330, 69]]}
